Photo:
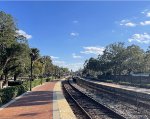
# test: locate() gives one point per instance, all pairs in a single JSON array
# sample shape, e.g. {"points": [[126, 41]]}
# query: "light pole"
{"points": [[59, 72], [31, 55], [55, 73], [71, 73], [43, 66]]}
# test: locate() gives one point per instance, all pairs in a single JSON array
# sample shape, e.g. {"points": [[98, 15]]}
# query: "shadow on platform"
{"points": [[35, 98]]}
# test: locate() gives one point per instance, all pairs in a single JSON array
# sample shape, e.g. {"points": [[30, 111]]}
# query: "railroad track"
{"points": [[126, 97], [90, 107], [80, 114]]}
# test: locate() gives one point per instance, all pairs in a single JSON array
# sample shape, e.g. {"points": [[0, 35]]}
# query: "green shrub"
{"points": [[48, 79], [109, 81], [145, 86], [124, 83], [10, 93], [34, 83], [21, 89]]}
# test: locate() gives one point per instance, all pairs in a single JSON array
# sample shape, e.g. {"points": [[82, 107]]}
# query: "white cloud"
{"points": [[145, 23], [76, 56], [124, 20], [53, 57], [141, 38], [127, 23], [75, 21], [130, 24], [93, 50], [23, 33], [74, 34], [148, 14], [73, 66]]}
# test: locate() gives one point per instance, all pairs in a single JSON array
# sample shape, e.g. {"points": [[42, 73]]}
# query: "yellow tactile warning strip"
{"points": [[62, 105]]}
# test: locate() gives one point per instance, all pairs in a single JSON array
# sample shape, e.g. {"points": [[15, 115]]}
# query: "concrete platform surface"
{"points": [[129, 88], [61, 108]]}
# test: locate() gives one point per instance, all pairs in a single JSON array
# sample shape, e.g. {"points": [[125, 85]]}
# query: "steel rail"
{"points": [[83, 110], [113, 113]]}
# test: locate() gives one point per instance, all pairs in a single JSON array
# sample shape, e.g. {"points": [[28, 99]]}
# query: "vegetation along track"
{"points": [[90, 107]]}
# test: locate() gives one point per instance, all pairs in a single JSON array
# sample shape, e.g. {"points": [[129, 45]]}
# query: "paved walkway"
{"points": [[34, 105]]}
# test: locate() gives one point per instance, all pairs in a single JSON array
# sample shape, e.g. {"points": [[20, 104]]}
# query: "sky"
{"points": [[71, 32]]}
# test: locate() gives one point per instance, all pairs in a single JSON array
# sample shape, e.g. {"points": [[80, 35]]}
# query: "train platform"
{"points": [[128, 88], [43, 102], [61, 108]]}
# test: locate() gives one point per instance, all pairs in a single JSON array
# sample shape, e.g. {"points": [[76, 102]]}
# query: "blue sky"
{"points": [[72, 32]]}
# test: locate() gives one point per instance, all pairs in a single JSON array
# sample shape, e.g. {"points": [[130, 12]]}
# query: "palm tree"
{"points": [[34, 55]]}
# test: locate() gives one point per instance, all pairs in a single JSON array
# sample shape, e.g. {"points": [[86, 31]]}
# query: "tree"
{"points": [[34, 54], [7, 30], [112, 59], [134, 60], [47, 71], [35, 65], [118, 59], [37, 68], [11, 47], [15, 54], [7, 37]]}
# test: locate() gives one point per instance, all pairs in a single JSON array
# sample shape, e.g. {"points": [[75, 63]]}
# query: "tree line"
{"points": [[15, 54], [119, 59]]}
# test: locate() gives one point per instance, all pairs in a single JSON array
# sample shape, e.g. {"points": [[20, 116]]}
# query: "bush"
{"points": [[124, 83], [36, 82], [109, 81], [10, 93], [48, 79]]}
